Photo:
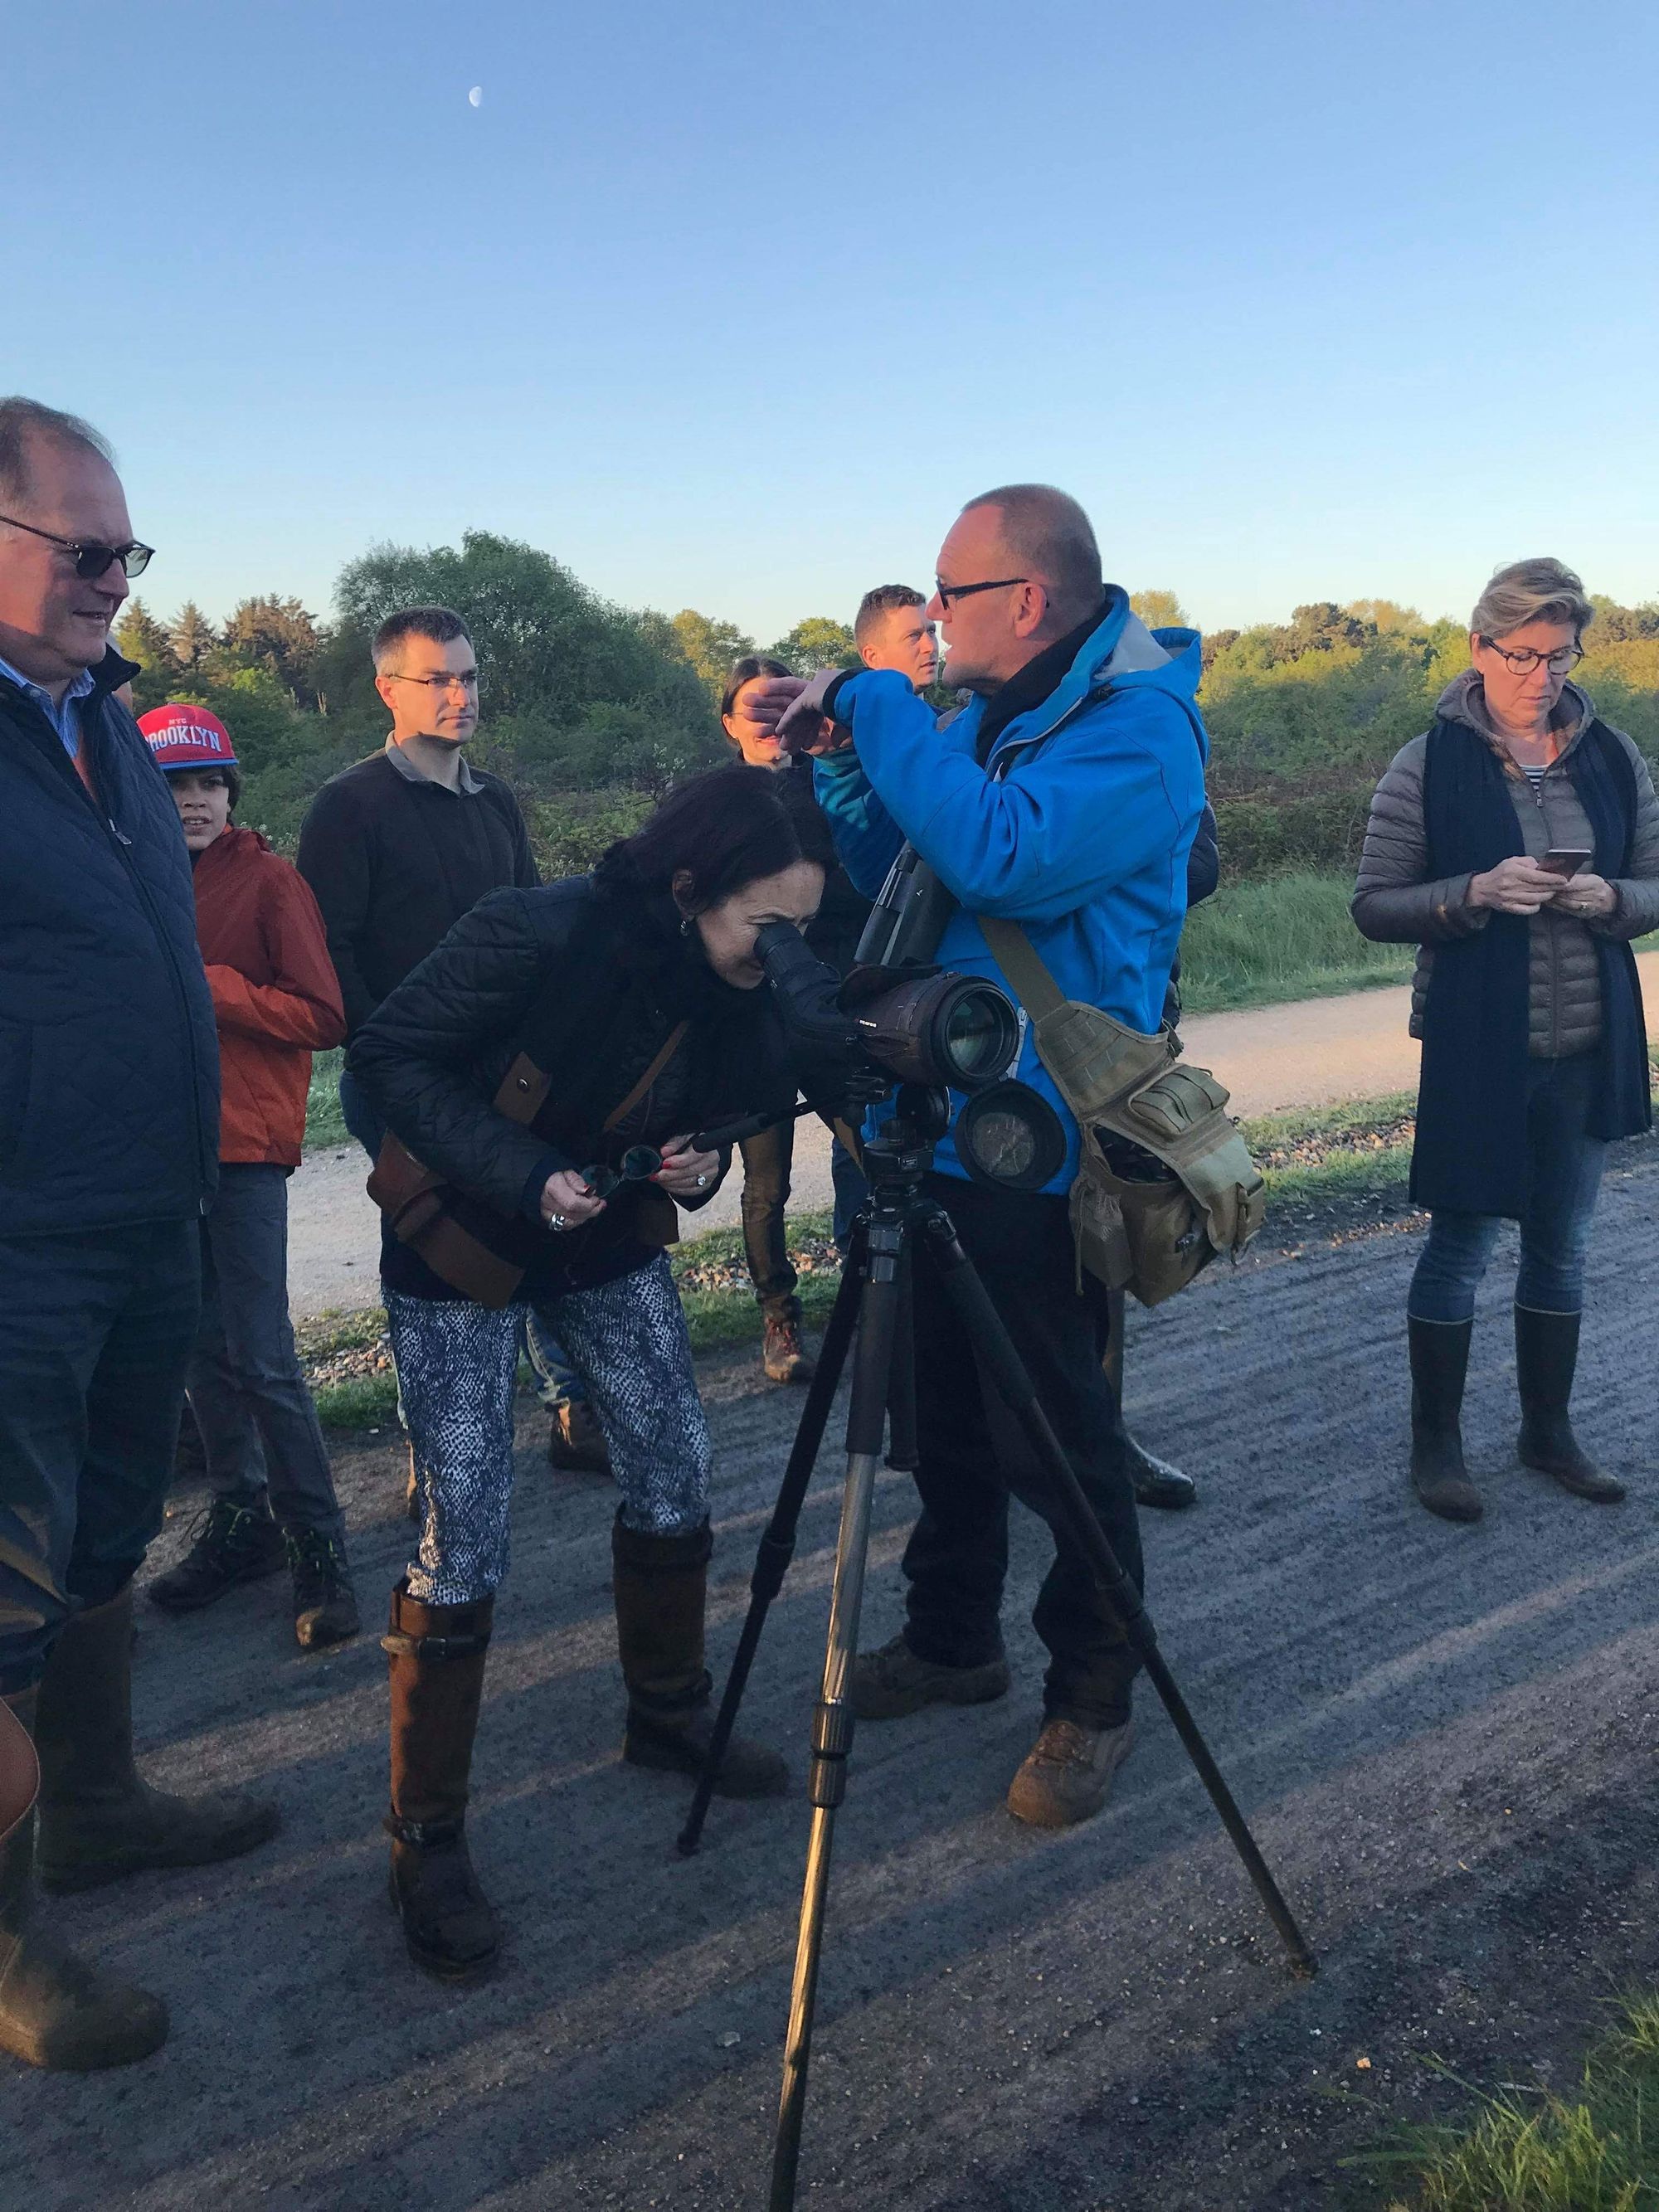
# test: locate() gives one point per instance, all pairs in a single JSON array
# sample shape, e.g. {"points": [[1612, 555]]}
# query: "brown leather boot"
{"points": [[437, 1654], [99, 1819], [661, 1585], [575, 1443], [783, 1356], [54, 2011]]}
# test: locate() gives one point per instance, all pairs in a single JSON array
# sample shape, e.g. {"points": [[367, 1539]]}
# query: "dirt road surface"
{"points": [[1445, 1737], [1313, 1052]]}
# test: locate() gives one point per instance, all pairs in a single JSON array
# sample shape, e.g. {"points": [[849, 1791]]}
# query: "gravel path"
{"points": [[1445, 1737], [1314, 1052]]}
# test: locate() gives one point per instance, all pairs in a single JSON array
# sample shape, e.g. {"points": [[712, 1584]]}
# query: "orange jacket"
{"points": [[275, 993]]}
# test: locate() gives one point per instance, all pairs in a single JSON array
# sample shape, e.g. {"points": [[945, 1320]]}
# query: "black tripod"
{"points": [[874, 1294]]}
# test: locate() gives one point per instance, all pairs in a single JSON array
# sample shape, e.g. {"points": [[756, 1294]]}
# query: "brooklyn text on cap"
{"points": [[180, 736]]}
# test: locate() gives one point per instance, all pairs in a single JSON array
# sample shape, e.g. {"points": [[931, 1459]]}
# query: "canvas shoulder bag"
{"points": [[1133, 1095]]}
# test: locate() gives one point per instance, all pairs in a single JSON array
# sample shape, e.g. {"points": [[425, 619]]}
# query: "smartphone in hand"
{"points": [[1565, 860]]}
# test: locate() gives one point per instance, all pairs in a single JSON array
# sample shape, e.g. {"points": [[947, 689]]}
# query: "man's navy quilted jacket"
{"points": [[109, 1059]]}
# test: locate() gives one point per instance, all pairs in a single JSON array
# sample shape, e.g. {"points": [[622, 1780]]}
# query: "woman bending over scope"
{"points": [[546, 1067]]}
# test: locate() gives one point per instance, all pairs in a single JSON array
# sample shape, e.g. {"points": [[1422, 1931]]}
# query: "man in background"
{"points": [[891, 630], [397, 848], [109, 1145]]}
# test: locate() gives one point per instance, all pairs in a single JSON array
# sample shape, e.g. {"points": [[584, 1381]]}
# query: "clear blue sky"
{"points": [[730, 305]]}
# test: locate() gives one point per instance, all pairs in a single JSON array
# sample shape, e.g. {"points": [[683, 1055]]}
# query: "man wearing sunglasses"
{"points": [[1064, 797], [109, 1117], [397, 848]]}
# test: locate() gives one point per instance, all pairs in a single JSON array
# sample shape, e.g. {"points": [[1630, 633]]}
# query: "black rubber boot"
{"points": [[438, 1653], [661, 1585], [1440, 1362], [55, 2011], [1545, 1361], [324, 1602], [1154, 1481], [233, 1543], [99, 1820]]}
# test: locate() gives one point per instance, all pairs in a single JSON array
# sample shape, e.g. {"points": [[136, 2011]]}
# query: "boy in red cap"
{"points": [[277, 1000]]}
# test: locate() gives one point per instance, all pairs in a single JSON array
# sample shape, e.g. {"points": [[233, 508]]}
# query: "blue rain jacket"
{"points": [[1079, 827]]}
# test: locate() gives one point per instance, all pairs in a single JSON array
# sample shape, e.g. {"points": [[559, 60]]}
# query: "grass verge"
{"points": [[1597, 2152], [1285, 937], [324, 1123]]}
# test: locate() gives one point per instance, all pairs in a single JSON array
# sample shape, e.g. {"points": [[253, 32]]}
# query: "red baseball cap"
{"points": [[187, 737]]}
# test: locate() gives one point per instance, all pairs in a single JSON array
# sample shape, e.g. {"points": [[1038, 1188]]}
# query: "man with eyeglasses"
{"points": [[397, 848], [109, 1120], [1066, 797]]}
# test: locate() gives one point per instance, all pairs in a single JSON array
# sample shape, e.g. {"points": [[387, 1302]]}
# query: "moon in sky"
{"points": [[475, 98]]}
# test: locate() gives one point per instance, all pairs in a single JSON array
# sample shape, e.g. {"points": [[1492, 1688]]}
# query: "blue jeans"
{"points": [[557, 1380], [98, 1326], [1564, 1175], [259, 1424]]}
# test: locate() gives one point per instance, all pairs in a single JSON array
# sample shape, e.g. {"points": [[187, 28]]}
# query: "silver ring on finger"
{"points": [[557, 1221], [703, 1182]]}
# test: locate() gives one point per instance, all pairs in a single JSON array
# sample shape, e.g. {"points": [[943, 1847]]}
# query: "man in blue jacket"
{"points": [[109, 1123], [1066, 797]]}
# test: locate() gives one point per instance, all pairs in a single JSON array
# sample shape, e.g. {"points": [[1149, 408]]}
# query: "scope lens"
{"points": [[979, 1038]]}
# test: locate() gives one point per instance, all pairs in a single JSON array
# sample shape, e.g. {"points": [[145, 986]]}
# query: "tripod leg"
{"points": [[832, 1723], [902, 1381], [995, 1348], [777, 1545]]}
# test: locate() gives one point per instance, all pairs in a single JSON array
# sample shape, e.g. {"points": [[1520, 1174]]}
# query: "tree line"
{"points": [[590, 709]]}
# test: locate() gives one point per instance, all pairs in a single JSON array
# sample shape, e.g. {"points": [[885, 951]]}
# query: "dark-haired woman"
{"points": [[636, 991], [1517, 844], [769, 1156]]}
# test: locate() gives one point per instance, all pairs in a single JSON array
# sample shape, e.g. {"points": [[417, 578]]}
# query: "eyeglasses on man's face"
{"points": [[946, 593], [1523, 662], [464, 680], [91, 558]]}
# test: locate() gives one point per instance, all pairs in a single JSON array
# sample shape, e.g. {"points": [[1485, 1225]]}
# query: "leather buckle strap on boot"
{"points": [[436, 1656], [100, 1819], [661, 1585], [55, 2010], [1545, 1361]]}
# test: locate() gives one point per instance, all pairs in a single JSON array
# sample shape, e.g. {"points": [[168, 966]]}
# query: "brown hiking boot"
{"points": [[100, 1821], [1067, 1773], [782, 1356], [893, 1682], [55, 2011], [576, 1443]]}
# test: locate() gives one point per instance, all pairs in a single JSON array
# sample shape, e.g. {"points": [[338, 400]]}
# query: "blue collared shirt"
{"points": [[64, 719]]}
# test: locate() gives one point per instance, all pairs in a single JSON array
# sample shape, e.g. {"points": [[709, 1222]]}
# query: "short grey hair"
{"points": [[1529, 591], [22, 422], [1049, 535]]}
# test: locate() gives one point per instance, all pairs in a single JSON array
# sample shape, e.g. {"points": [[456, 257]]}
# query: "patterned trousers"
{"points": [[457, 1364]]}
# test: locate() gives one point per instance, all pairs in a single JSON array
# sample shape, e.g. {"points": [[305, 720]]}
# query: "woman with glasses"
{"points": [[1516, 843], [634, 997]]}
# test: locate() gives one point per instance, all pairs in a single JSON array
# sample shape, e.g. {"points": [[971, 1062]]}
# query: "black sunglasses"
{"points": [[946, 593], [639, 1163], [92, 559]]}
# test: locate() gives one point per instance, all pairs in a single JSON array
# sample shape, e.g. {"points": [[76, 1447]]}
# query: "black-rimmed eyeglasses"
{"points": [[1525, 661], [92, 559], [946, 593], [468, 681]]}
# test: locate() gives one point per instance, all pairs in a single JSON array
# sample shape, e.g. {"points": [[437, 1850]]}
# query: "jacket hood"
{"points": [[1120, 653], [1464, 700], [232, 848]]}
